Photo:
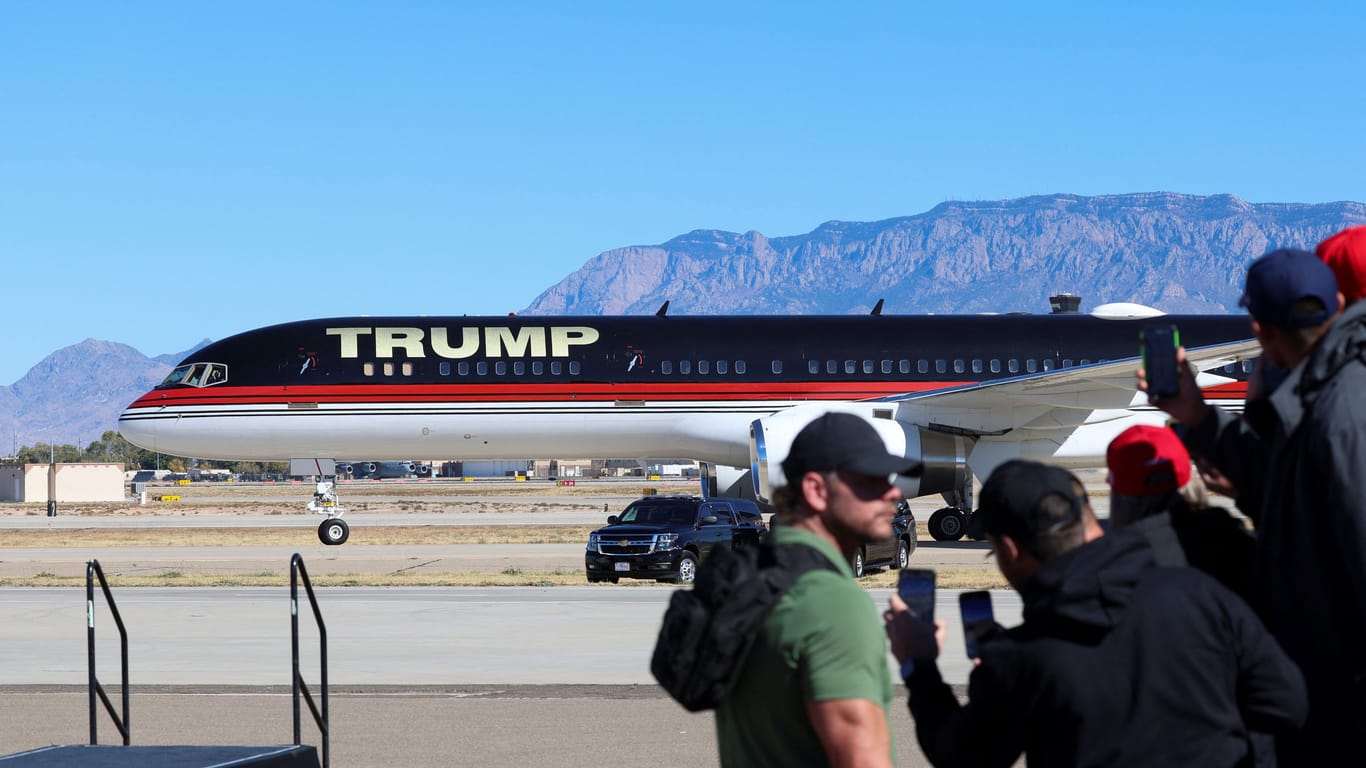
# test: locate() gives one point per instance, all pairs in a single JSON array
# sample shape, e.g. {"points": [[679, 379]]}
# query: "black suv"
{"points": [[665, 537], [892, 553]]}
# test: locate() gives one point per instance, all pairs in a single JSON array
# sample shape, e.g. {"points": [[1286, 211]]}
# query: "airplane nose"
{"points": [[139, 432]]}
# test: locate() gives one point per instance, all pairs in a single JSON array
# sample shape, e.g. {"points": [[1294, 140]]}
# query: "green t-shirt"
{"points": [[823, 641]]}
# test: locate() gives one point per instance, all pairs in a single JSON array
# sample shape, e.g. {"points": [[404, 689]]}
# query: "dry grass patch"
{"points": [[292, 537]]}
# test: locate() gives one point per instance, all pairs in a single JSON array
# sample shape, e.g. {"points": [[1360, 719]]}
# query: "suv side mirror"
{"points": [[613, 519], [707, 520]]}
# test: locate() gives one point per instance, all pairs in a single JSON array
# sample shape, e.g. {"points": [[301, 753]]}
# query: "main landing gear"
{"points": [[951, 523], [333, 531]]}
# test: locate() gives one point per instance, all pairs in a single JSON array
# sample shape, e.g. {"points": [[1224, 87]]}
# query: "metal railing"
{"points": [[92, 569], [296, 571]]}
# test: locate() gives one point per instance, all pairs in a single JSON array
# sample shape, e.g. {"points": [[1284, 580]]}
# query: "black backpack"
{"points": [[708, 630]]}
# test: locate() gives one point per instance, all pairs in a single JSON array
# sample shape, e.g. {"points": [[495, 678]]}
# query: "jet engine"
{"points": [[944, 456]]}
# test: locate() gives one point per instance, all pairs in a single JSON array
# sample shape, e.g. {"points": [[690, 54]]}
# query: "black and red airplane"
{"points": [[961, 392]]}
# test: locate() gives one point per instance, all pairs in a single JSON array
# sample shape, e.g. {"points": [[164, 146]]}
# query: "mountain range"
{"points": [[1179, 253]]}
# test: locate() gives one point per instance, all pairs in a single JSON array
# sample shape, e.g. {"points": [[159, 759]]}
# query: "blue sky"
{"points": [[172, 171]]}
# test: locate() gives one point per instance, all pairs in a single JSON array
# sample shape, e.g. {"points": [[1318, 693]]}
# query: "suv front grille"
{"points": [[626, 545]]}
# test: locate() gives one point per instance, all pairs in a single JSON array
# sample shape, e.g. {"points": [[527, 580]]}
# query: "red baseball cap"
{"points": [[1147, 461], [1345, 252]]}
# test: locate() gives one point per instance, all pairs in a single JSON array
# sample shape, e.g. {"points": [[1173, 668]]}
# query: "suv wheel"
{"points": [[687, 568], [858, 563], [903, 553]]}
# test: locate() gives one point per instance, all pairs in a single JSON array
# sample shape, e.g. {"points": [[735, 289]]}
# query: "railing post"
{"points": [[297, 571]]}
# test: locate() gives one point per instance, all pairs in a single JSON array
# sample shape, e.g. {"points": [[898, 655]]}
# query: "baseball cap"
{"points": [[1278, 280], [844, 441], [1147, 461], [1011, 497], [1345, 254]]}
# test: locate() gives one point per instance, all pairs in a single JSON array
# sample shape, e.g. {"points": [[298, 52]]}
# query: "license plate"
{"points": [[622, 566]]}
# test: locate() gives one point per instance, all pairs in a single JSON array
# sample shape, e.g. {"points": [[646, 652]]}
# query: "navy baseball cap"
{"points": [[1278, 280], [843, 441]]}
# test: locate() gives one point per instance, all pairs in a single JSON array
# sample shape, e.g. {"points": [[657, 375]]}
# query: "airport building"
{"points": [[73, 482]]}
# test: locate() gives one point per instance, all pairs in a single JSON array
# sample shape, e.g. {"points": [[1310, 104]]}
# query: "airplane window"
{"points": [[555, 368], [703, 366], [850, 367], [195, 374], [740, 367], [407, 369], [958, 366], [905, 366], [368, 369], [722, 366], [388, 369], [1048, 364], [886, 366], [1066, 363], [1084, 361], [481, 368], [684, 367], [666, 366], [1031, 365], [217, 374], [777, 366], [976, 365], [462, 368], [995, 366], [1247, 366], [940, 366], [176, 376], [813, 366], [923, 366], [1013, 365], [500, 368], [519, 368], [832, 366], [537, 368], [867, 366], [574, 367], [445, 368]]}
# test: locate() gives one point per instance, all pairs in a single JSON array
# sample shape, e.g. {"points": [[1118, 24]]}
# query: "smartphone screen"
{"points": [[1159, 360], [916, 587], [975, 609]]}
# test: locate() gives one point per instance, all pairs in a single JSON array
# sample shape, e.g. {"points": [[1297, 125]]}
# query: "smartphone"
{"points": [[975, 609], [916, 587], [1159, 360]]}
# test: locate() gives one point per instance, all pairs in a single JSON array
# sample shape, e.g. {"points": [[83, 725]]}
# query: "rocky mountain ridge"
{"points": [[1178, 253]]}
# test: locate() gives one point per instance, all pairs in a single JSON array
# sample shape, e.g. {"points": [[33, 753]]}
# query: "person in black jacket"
{"points": [[1117, 663], [1152, 490]]}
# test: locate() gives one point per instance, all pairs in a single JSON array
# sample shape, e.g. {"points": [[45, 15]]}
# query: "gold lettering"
{"points": [[498, 341], [562, 337], [469, 343], [349, 340], [407, 339]]}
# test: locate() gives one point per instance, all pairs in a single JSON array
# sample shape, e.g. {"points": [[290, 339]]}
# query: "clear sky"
{"points": [[172, 171]]}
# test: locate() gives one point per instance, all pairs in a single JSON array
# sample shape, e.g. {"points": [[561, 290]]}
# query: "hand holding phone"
{"points": [[916, 588], [1160, 370], [975, 610]]}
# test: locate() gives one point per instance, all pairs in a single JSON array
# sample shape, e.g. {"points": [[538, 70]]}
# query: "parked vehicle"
{"points": [[892, 553], [665, 537]]}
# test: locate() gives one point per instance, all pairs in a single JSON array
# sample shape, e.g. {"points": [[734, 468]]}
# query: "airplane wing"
{"points": [[1051, 400]]}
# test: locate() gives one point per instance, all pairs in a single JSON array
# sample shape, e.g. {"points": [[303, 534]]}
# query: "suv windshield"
{"points": [[661, 513]]}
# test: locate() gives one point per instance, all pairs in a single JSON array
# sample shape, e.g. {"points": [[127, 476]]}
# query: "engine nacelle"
{"points": [[944, 456]]}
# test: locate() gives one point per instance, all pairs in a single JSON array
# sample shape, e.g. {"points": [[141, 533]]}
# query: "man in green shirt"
{"points": [[816, 688]]}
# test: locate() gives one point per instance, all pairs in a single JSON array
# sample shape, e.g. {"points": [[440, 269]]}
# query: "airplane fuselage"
{"points": [[589, 387]]}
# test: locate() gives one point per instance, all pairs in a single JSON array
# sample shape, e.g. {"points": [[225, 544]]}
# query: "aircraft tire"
{"points": [[334, 532], [947, 524]]}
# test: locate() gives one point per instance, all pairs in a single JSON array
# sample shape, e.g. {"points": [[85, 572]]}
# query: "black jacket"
{"points": [[1306, 471], [1117, 663]]}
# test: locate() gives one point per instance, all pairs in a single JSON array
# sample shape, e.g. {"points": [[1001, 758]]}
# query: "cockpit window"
{"points": [[196, 375]]}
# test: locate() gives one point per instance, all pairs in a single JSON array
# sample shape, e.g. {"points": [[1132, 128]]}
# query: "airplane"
{"points": [[963, 393]]}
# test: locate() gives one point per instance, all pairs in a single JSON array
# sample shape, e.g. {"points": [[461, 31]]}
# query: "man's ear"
{"points": [[815, 491]]}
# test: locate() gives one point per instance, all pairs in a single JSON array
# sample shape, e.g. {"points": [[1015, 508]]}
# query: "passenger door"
{"points": [[719, 532]]}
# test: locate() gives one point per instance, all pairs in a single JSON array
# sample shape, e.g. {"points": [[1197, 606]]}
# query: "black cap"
{"points": [[1011, 496], [844, 441]]}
